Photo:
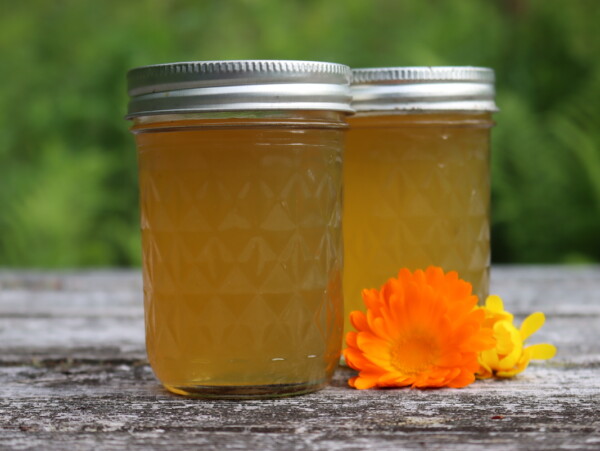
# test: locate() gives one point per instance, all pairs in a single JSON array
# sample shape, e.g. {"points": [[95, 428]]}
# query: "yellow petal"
{"points": [[507, 338], [510, 345], [484, 373], [510, 360], [521, 365], [531, 324], [489, 359], [523, 361], [542, 351], [484, 367], [494, 303], [507, 373], [494, 309]]}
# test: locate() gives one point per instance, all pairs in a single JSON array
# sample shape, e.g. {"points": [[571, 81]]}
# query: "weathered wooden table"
{"points": [[73, 375]]}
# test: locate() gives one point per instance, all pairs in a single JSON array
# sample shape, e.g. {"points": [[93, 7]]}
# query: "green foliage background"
{"points": [[68, 194]]}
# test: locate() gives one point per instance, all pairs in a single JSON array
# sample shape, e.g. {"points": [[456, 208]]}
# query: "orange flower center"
{"points": [[414, 354]]}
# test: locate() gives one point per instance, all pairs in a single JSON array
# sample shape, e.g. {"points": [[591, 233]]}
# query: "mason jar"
{"points": [[416, 175], [240, 176]]}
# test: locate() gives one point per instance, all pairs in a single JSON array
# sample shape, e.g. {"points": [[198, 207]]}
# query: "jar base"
{"points": [[246, 391]]}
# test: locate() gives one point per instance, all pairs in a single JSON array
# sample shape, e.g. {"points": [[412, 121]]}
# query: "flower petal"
{"points": [[351, 339], [542, 351], [531, 324], [484, 373], [519, 367], [362, 382], [489, 359], [421, 329], [494, 303], [462, 380], [358, 320], [375, 350]]}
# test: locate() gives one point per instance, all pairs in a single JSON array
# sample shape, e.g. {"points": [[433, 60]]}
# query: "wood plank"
{"points": [[73, 376]]}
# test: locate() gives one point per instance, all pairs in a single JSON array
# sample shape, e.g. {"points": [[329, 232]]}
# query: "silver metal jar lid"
{"points": [[245, 85], [423, 89]]}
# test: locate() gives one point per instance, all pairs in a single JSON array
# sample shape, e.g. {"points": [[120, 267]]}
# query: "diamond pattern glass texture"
{"points": [[241, 233], [417, 193]]}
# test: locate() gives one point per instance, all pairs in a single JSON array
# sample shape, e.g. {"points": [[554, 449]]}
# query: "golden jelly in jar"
{"points": [[240, 173], [416, 176]]}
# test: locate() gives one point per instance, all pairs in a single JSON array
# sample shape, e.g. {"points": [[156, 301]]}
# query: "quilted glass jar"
{"points": [[416, 175], [240, 173]]}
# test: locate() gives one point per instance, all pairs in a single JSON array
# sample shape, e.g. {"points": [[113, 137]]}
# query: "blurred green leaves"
{"points": [[68, 193]]}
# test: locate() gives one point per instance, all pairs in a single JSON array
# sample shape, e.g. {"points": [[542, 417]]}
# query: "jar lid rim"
{"points": [[416, 74], [197, 86], [424, 88]]}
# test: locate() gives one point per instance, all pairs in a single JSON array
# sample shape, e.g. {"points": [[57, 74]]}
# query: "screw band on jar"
{"points": [[238, 86], [423, 89]]}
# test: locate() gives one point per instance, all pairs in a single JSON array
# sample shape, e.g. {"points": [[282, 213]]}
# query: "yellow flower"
{"points": [[510, 357], [422, 329]]}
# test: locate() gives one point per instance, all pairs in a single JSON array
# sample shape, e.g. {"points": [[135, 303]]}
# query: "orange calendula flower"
{"points": [[421, 330], [509, 357]]}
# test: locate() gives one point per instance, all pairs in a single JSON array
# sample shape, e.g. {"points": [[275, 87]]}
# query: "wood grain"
{"points": [[73, 375]]}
